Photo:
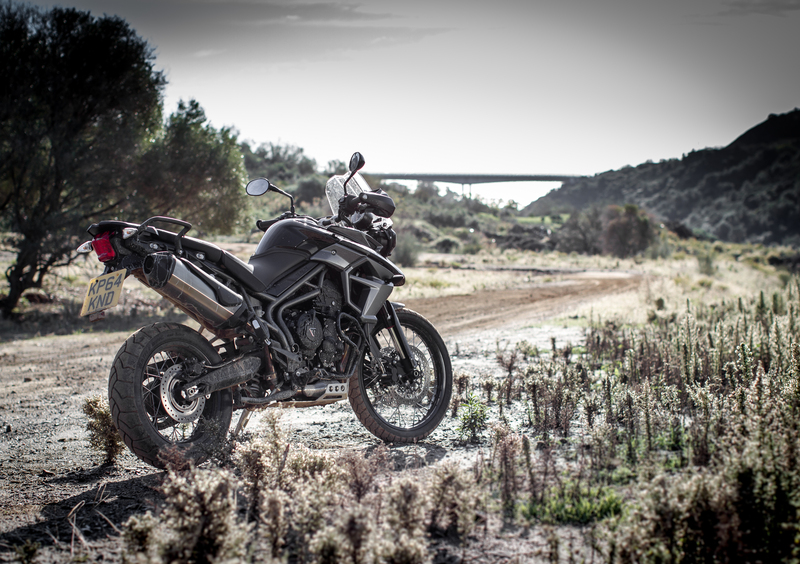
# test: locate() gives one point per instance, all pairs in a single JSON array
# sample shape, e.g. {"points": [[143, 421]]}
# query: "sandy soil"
{"points": [[54, 491]]}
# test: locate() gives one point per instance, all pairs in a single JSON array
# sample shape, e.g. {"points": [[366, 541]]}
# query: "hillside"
{"points": [[748, 191]]}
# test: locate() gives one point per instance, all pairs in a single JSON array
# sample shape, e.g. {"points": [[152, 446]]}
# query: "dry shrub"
{"points": [[554, 398], [508, 361], [352, 532], [261, 461], [462, 382], [359, 471], [289, 489], [103, 435], [197, 522], [743, 505], [455, 498], [404, 540], [506, 456], [273, 525]]}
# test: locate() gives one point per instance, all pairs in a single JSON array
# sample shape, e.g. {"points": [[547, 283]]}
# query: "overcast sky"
{"points": [[501, 86]]}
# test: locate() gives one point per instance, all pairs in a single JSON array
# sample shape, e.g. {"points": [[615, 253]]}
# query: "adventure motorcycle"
{"points": [[306, 322]]}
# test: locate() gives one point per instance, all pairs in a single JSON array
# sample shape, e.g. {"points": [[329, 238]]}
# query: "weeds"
{"points": [[455, 498], [103, 435], [677, 441], [473, 415], [197, 522], [26, 552], [574, 503], [700, 416]]}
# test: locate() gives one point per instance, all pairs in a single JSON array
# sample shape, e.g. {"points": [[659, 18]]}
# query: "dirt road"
{"points": [[52, 484], [495, 308]]}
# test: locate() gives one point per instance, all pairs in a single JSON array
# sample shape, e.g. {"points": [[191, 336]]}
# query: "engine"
{"points": [[314, 329]]}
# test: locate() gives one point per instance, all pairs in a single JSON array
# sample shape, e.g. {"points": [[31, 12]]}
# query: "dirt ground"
{"points": [[54, 490]]}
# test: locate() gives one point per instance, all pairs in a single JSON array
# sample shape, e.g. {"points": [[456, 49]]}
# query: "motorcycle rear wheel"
{"points": [[404, 412], [151, 417]]}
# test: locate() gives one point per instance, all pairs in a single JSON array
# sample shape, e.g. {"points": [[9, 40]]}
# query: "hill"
{"points": [[748, 191]]}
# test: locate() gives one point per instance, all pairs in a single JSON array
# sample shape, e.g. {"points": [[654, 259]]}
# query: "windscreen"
{"points": [[334, 189]]}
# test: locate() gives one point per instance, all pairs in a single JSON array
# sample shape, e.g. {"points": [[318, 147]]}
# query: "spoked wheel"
{"points": [[399, 407], [144, 395]]}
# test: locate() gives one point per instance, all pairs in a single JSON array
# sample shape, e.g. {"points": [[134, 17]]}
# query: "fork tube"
{"points": [[399, 338]]}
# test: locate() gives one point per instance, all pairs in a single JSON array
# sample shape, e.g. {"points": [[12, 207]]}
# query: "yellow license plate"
{"points": [[103, 293]]}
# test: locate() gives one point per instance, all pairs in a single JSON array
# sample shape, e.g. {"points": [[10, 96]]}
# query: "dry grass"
{"points": [[669, 434]]}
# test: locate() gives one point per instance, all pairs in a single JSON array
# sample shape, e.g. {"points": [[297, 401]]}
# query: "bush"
{"points": [[472, 416], [447, 217], [447, 245], [627, 231], [103, 435], [406, 252], [581, 233], [574, 503], [731, 493], [705, 263], [455, 498], [197, 522]]}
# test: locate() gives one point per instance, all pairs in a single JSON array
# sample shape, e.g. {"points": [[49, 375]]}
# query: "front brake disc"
{"points": [[415, 392]]}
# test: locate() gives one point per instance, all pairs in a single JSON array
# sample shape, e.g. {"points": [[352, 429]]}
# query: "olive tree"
{"points": [[82, 139], [192, 171], [78, 98]]}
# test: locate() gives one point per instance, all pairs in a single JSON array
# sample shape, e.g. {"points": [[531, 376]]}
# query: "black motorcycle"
{"points": [[305, 322]]}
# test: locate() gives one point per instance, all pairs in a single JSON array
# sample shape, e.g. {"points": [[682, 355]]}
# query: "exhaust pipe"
{"points": [[201, 296], [326, 390]]}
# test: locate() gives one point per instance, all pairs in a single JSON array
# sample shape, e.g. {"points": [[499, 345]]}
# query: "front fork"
{"points": [[392, 323]]}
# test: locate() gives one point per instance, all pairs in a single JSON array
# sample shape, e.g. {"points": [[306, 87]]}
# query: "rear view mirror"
{"points": [[257, 187], [356, 162]]}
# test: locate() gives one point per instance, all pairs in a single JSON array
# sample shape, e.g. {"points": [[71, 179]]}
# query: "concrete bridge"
{"points": [[469, 179]]}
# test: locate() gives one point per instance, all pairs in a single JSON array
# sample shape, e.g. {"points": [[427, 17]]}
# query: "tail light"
{"points": [[102, 246]]}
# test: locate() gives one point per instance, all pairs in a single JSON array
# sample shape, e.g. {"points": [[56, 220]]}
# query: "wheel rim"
{"points": [[174, 419], [403, 405]]}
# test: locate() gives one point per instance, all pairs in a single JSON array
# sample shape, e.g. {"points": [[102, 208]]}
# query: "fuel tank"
{"points": [[285, 247]]}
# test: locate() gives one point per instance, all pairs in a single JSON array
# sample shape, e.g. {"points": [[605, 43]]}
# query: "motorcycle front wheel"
{"points": [[404, 408], [152, 417]]}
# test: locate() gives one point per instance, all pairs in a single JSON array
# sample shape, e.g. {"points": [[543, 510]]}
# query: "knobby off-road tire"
{"points": [[404, 413], [149, 416]]}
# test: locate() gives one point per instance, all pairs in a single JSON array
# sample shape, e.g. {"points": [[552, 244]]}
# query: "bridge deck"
{"points": [[474, 178]]}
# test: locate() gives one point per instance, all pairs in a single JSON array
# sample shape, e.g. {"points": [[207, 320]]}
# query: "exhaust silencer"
{"points": [[201, 296]]}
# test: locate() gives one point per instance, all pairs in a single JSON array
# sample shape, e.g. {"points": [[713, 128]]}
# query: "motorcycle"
{"points": [[306, 322]]}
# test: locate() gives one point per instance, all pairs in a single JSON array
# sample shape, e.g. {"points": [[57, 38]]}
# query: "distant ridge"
{"points": [[748, 191]]}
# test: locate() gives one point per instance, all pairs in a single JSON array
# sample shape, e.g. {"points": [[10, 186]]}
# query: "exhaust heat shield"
{"points": [[201, 296]]}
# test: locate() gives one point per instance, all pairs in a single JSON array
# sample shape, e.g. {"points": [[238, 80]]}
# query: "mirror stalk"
{"points": [[356, 163]]}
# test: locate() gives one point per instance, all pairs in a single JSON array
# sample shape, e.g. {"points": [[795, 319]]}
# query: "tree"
{"points": [[192, 171], [82, 137], [335, 167], [309, 189], [627, 231], [581, 233], [281, 164], [426, 191], [78, 98]]}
